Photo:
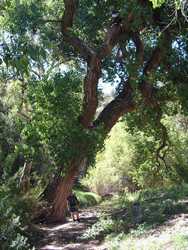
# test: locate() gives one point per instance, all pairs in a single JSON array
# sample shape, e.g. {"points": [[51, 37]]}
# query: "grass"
{"points": [[180, 242], [151, 232], [87, 199], [164, 241]]}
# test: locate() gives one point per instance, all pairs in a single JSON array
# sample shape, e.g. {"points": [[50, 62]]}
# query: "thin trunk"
{"points": [[25, 177]]}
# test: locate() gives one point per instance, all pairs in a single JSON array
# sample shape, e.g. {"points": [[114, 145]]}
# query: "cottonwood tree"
{"points": [[141, 51]]}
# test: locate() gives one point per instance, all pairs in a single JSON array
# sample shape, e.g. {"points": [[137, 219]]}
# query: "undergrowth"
{"points": [[15, 210], [87, 199], [132, 215]]}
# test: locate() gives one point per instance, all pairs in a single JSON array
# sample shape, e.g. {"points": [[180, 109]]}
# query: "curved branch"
{"points": [[148, 93], [122, 104], [114, 34], [94, 60], [153, 62], [163, 138], [139, 47], [158, 53], [90, 101], [93, 63], [147, 90], [67, 22], [79, 45]]}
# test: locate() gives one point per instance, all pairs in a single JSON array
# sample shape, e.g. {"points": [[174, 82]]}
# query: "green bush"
{"points": [[102, 227], [14, 211], [87, 198]]}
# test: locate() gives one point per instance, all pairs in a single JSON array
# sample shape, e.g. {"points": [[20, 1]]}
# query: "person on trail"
{"points": [[73, 204]]}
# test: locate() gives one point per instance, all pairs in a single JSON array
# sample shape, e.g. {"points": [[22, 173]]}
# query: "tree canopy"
{"points": [[58, 59], [63, 54]]}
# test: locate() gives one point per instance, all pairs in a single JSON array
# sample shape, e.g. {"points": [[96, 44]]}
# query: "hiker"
{"points": [[73, 204]]}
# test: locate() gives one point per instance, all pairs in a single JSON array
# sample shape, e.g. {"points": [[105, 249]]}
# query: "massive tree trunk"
{"points": [[63, 189], [48, 193]]}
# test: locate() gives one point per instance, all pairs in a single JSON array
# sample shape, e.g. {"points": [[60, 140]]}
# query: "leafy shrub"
{"points": [[13, 218], [101, 228], [87, 198]]}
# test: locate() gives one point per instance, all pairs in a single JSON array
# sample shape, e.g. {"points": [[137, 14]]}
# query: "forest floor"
{"points": [[171, 234], [69, 236]]}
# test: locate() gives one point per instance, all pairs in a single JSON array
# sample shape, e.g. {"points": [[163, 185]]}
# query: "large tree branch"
{"points": [[93, 63], [114, 34], [122, 104], [153, 62], [79, 45], [148, 90], [139, 47], [93, 58], [69, 13], [90, 101], [67, 22]]}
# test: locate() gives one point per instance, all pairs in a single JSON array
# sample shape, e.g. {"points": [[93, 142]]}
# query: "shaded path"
{"points": [[67, 236]]}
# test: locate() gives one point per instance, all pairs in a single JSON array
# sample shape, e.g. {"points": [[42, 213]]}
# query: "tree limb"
{"points": [[79, 45], [90, 101], [93, 58], [93, 64], [122, 104], [114, 34], [139, 46], [67, 22], [164, 139], [69, 13], [153, 62], [148, 91]]}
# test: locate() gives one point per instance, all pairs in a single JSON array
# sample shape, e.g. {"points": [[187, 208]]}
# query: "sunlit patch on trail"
{"points": [[67, 236], [51, 247]]}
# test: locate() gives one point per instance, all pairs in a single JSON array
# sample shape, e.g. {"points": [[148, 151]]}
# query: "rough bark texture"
{"points": [[48, 193], [63, 189], [122, 104]]}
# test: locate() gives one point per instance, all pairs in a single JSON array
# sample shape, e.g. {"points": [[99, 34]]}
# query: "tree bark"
{"points": [[63, 189], [48, 192], [25, 177]]}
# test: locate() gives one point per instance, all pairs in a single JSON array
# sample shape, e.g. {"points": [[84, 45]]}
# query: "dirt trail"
{"points": [[67, 236]]}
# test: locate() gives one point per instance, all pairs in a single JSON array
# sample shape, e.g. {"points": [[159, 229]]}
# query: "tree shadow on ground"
{"points": [[68, 235]]}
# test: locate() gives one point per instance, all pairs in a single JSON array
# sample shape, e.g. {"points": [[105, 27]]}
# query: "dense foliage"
{"points": [[129, 160], [57, 59]]}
